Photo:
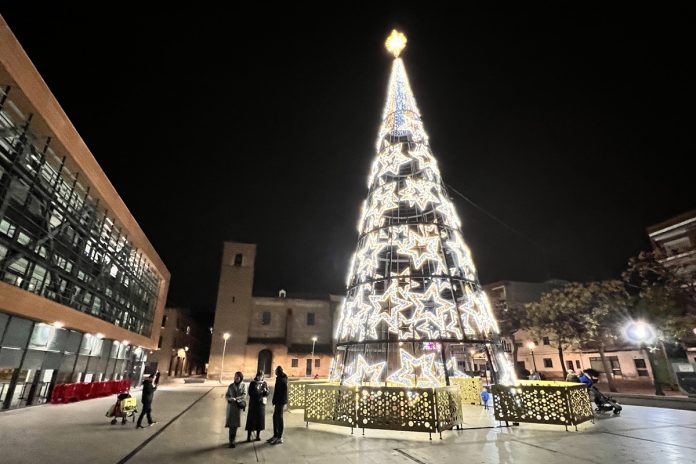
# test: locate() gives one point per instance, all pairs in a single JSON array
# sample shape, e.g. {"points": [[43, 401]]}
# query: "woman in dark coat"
{"points": [[256, 417], [235, 396]]}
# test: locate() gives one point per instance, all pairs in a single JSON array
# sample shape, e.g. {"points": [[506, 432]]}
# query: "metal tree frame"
{"points": [[413, 289]]}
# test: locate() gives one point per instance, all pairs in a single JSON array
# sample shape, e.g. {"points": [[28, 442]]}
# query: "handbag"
{"points": [[241, 404], [264, 400]]}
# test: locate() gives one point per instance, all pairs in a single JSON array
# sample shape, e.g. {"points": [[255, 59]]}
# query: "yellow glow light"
{"points": [[395, 43]]}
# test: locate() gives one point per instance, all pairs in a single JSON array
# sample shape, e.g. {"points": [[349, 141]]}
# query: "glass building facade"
{"points": [[57, 241]]}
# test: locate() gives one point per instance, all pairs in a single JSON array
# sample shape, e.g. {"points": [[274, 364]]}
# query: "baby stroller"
{"points": [[605, 403], [125, 407]]}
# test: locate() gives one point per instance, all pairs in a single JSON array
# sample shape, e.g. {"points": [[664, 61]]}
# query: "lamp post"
{"points": [[531, 345], [643, 333], [314, 341], [225, 336]]}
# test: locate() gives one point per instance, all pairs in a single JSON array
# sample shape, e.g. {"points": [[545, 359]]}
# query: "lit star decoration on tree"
{"points": [[412, 276], [421, 372], [364, 373]]}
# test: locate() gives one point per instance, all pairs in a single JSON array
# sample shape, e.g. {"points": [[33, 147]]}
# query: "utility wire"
{"points": [[502, 223]]}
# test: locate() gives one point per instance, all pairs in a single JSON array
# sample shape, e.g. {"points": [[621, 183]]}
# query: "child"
{"points": [[484, 397]]}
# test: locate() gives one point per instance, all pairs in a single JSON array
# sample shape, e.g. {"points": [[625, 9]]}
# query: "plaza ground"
{"points": [[190, 429]]}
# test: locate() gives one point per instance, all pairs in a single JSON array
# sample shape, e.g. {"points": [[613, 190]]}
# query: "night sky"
{"points": [[574, 127]]}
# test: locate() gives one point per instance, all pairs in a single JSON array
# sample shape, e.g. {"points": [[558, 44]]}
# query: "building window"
{"points": [[546, 341], [159, 344], [518, 344], [234, 298], [238, 259], [295, 362], [548, 362], [577, 364], [596, 364], [265, 318], [641, 367], [569, 365], [164, 321], [310, 318], [317, 363]]}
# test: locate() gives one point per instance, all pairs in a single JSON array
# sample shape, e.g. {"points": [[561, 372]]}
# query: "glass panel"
{"points": [[17, 333], [52, 360], [73, 343], [33, 360], [3, 323], [10, 358]]}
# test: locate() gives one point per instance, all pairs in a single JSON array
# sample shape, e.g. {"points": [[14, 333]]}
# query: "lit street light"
{"points": [[531, 347], [643, 333], [226, 337]]}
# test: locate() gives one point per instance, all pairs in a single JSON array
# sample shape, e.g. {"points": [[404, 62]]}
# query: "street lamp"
{"points": [[531, 345], [314, 341], [225, 336], [643, 333]]}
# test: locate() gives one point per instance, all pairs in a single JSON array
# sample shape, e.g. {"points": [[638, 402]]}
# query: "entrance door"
{"points": [[309, 368], [265, 362]]}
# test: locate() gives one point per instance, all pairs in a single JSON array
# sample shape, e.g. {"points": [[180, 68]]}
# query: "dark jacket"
{"points": [[148, 391], [280, 391], [256, 417]]}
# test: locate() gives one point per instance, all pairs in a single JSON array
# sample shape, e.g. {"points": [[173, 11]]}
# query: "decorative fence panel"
{"points": [[330, 404], [449, 407], [397, 408], [470, 388], [560, 403]]}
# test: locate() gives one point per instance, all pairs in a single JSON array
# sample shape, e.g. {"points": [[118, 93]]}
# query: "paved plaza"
{"points": [[190, 429]]}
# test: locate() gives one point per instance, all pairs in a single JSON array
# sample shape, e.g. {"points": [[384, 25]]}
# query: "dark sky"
{"points": [[575, 127]]}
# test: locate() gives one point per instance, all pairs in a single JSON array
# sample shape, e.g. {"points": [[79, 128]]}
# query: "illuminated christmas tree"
{"points": [[413, 292]]}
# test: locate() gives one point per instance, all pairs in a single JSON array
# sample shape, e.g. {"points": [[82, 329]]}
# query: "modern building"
{"points": [[261, 332], [82, 290], [531, 354], [183, 345]]}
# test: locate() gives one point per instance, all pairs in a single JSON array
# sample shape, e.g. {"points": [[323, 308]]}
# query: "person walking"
{"points": [[280, 399], [236, 403], [148, 395], [256, 417]]}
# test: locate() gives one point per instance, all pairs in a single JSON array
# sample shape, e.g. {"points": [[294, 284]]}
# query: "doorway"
{"points": [[265, 362]]}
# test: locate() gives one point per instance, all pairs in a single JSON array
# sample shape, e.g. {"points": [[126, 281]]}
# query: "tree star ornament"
{"points": [[395, 43]]}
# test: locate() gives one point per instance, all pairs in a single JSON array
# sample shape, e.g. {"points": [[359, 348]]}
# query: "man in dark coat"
{"points": [[147, 397], [280, 399]]}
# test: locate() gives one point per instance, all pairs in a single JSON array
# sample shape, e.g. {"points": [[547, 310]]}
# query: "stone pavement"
{"points": [[190, 429]]}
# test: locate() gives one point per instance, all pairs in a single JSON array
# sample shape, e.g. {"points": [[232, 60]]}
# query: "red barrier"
{"points": [[57, 395], [84, 391], [70, 392]]}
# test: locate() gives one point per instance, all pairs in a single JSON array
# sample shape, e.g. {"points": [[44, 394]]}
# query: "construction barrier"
{"points": [[71, 392]]}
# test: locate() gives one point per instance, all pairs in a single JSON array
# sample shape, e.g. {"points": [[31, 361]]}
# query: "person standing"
{"points": [[146, 398], [256, 417], [485, 396], [236, 403], [280, 399]]}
